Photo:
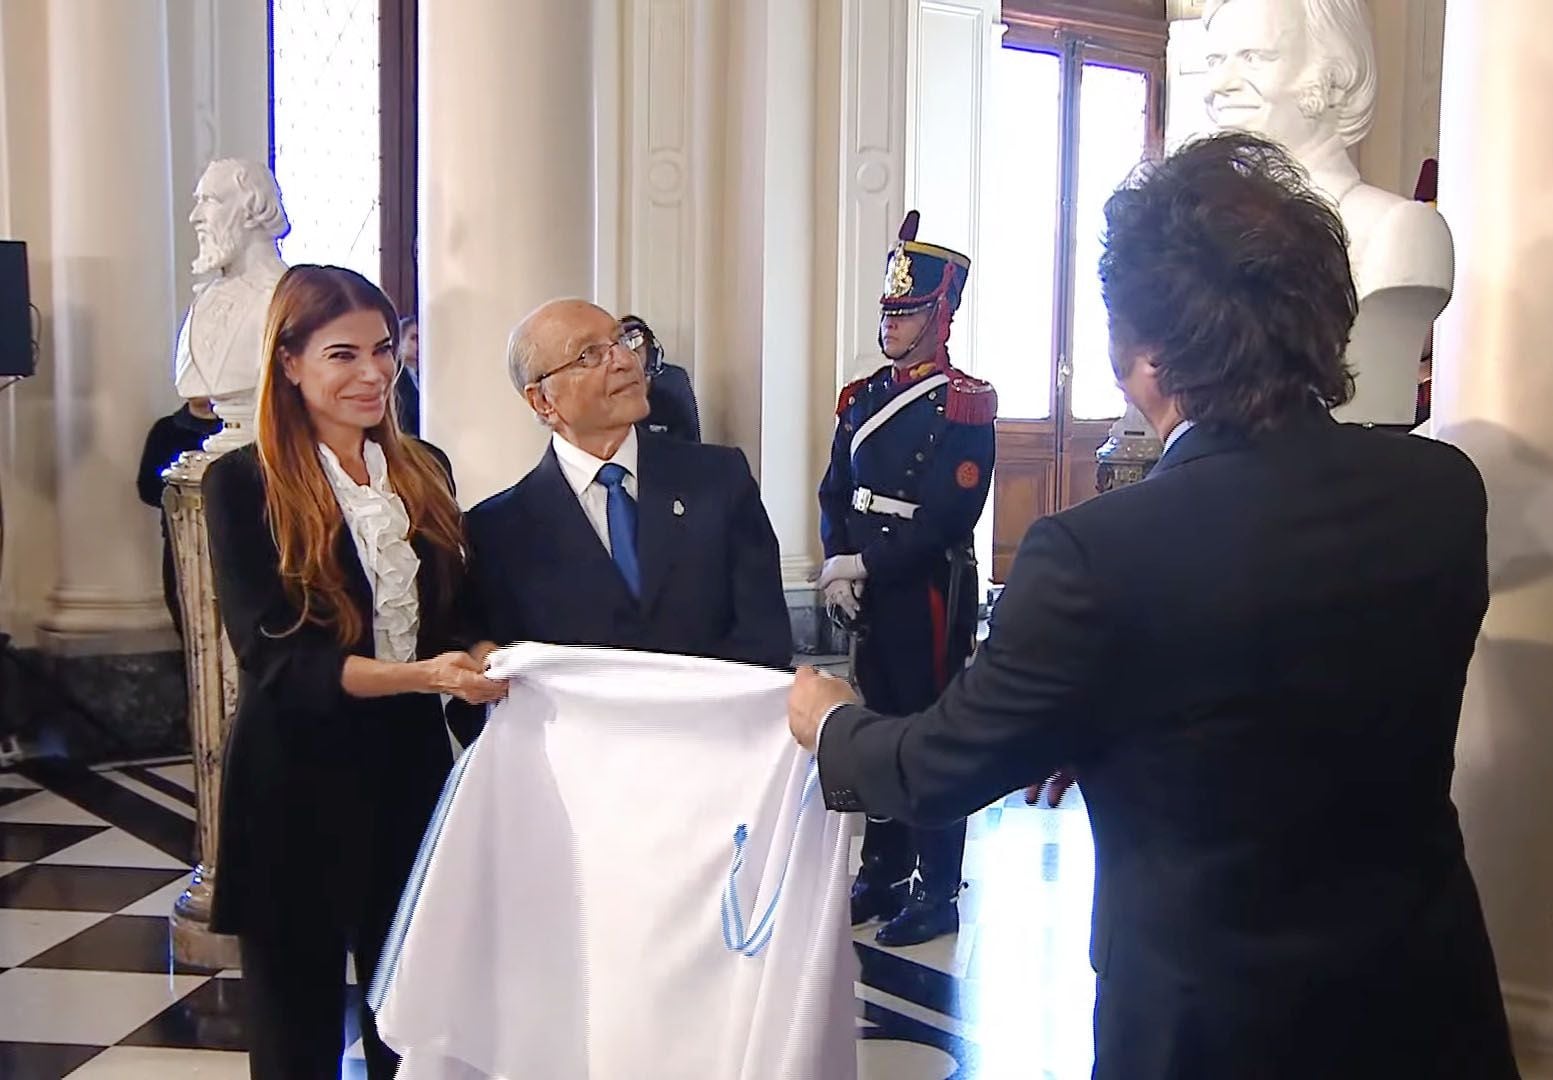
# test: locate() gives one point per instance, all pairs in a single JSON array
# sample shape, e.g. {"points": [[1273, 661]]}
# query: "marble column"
{"points": [[113, 315], [1493, 396], [507, 182], [789, 470]]}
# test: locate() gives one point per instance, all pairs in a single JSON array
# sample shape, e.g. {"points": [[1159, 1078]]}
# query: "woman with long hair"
{"points": [[338, 556]]}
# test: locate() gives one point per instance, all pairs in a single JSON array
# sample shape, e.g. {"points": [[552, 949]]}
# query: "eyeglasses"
{"points": [[597, 355]]}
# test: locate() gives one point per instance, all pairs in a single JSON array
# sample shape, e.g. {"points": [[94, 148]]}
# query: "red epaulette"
{"points": [[971, 400], [849, 394]]}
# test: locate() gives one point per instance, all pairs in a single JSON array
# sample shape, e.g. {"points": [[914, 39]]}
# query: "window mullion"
{"points": [[1062, 323]]}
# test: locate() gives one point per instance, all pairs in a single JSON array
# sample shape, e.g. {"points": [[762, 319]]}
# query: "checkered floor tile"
{"points": [[91, 862]]}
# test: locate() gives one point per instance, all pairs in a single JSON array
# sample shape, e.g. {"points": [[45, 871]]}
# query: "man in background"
{"points": [[671, 400], [407, 386], [187, 429]]}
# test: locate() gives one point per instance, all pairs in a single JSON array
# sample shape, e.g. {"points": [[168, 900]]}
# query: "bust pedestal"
{"points": [[1128, 455], [237, 422], [212, 673]]}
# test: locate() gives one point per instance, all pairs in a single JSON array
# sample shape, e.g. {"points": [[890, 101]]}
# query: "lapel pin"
{"points": [[679, 508]]}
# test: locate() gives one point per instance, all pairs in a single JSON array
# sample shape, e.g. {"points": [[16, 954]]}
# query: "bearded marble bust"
{"points": [[238, 218], [1302, 73]]}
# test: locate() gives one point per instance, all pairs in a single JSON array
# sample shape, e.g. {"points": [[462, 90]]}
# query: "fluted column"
{"points": [[114, 313], [1493, 396], [506, 218]]}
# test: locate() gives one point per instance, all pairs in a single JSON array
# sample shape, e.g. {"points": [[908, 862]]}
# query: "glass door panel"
{"points": [[1016, 265], [1112, 138]]}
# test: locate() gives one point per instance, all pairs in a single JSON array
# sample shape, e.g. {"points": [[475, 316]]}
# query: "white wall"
{"points": [[728, 118], [1409, 49], [1493, 386]]}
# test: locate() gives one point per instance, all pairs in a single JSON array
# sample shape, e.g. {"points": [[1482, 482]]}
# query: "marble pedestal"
{"points": [[212, 674]]}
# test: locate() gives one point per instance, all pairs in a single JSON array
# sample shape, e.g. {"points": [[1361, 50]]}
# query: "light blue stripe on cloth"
{"points": [[388, 959], [734, 938]]}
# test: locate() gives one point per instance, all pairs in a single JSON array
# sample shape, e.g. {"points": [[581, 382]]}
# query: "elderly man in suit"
{"points": [[621, 537], [1255, 660]]}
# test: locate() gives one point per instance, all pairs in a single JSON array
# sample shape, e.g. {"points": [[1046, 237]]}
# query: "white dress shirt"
{"points": [[379, 526], [1175, 433], [581, 470]]}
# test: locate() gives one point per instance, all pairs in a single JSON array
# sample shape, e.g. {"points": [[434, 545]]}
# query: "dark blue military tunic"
{"points": [[936, 454]]}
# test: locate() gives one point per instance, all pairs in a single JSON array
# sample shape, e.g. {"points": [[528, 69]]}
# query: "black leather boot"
{"points": [[922, 919], [873, 899]]}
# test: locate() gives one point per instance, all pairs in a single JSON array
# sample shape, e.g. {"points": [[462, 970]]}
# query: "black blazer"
{"points": [[320, 791], [1255, 659], [407, 402], [711, 575], [671, 403]]}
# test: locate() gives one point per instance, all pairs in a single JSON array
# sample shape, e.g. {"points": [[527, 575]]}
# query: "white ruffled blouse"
{"points": [[380, 528]]}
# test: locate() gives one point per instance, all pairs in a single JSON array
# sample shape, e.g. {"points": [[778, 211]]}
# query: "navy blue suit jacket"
{"points": [[711, 574]]}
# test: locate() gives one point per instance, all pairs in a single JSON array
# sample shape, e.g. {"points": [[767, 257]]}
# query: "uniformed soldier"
{"points": [[671, 400], [910, 467]]}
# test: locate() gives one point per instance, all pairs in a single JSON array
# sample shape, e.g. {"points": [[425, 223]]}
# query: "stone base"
{"points": [[139, 702], [193, 941]]}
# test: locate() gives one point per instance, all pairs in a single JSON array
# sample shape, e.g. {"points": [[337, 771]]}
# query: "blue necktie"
{"points": [[621, 512]]}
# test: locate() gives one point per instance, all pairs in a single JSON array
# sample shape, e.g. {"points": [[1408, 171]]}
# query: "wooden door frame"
{"points": [[398, 88], [1046, 453]]}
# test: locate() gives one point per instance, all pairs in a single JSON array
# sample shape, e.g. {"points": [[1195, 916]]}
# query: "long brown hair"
{"points": [[304, 518]]}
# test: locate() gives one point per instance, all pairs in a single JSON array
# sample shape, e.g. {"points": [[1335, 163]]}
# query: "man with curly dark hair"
{"points": [[1254, 660]]}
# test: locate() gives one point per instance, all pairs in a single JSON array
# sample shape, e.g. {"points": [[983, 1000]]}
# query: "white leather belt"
{"points": [[865, 501]]}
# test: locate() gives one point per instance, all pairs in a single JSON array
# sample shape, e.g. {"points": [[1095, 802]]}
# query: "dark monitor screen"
{"points": [[16, 356]]}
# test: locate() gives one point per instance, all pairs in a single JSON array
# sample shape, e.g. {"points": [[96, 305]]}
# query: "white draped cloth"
{"points": [[630, 875], [379, 527]]}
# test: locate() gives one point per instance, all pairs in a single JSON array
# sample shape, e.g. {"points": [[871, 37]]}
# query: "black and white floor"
{"points": [[92, 860]]}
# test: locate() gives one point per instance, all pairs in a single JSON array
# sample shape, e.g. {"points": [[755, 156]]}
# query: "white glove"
{"points": [[842, 568], [844, 595]]}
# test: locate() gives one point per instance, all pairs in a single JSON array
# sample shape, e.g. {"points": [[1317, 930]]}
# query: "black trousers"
{"points": [[294, 946], [294, 986], [909, 649]]}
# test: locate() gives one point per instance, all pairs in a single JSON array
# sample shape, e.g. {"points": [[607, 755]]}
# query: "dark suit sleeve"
{"points": [[462, 630], [466, 721], [300, 671], [948, 508], [761, 632], [836, 496], [441, 459], [683, 396], [1022, 708], [408, 398], [148, 481]]}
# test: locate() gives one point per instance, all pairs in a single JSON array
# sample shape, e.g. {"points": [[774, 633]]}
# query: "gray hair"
{"points": [[260, 193], [522, 352], [1340, 36]]}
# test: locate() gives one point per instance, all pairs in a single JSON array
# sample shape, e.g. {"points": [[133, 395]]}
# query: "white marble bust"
{"points": [[238, 218], [1302, 73]]}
